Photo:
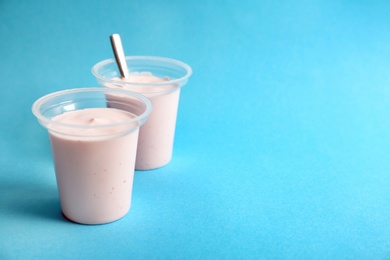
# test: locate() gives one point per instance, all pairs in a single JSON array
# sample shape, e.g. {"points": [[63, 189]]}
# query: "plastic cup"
{"points": [[156, 137], [94, 163]]}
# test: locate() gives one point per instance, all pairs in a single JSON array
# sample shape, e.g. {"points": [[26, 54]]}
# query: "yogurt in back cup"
{"points": [[160, 80], [94, 147]]}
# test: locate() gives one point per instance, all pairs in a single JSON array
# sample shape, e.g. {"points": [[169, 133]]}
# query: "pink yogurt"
{"points": [[160, 80], [94, 149], [94, 174], [156, 138]]}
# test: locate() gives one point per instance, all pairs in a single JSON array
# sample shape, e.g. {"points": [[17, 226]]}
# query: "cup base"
{"points": [[92, 222], [149, 167]]}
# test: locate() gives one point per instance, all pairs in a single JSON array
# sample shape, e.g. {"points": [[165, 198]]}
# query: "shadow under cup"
{"points": [[160, 80], [94, 162]]}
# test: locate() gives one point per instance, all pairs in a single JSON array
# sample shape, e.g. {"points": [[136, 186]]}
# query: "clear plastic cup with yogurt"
{"points": [[94, 142], [160, 80]]}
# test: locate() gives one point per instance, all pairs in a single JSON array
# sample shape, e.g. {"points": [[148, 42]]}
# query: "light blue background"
{"points": [[283, 134]]}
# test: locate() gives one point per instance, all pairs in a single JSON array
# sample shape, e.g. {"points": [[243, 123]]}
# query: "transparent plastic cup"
{"points": [[156, 137], [94, 161]]}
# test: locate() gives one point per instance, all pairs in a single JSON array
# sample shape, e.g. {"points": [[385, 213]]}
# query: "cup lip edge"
{"points": [[45, 121], [159, 58]]}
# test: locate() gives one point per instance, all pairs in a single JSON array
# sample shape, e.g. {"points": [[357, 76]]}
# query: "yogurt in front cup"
{"points": [[94, 147], [160, 80]]}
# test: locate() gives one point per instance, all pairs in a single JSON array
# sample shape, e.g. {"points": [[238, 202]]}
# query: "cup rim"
{"points": [[45, 121], [149, 58]]}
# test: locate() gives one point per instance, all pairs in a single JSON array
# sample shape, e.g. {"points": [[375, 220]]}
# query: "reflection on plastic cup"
{"points": [[94, 148], [160, 80]]}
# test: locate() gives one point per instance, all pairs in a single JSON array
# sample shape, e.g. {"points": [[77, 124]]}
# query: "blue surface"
{"points": [[282, 142]]}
